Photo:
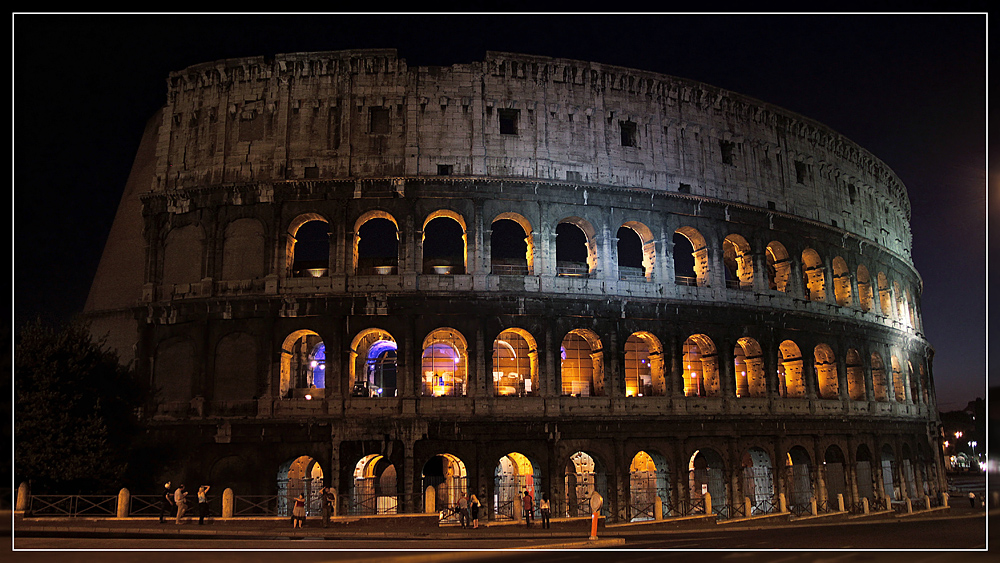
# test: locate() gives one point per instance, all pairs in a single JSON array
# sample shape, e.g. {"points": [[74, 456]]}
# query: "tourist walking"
{"points": [[543, 506], [167, 502], [474, 509], [202, 503], [463, 511], [529, 508], [180, 499], [299, 511]]}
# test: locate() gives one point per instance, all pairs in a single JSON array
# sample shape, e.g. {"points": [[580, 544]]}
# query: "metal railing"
{"points": [[73, 505], [801, 509], [686, 280], [691, 507], [763, 506], [730, 511], [255, 505], [509, 269]]}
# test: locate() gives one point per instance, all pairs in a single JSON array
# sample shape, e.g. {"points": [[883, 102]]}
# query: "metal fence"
{"points": [[73, 505]]}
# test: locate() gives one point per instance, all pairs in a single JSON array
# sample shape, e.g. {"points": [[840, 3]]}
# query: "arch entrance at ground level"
{"points": [[834, 477], [302, 475], [373, 490], [758, 481], [585, 475], [799, 483], [649, 481], [443, 481], [706, 475], [515, 473]]}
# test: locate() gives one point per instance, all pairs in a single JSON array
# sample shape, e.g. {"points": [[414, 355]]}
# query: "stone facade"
{"points": [[518, 274]]}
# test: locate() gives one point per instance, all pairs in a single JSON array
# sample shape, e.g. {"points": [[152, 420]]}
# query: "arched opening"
{"points": [[912, 379], [890, 475], [841, 282], [636, 251], [649, 482], [749, 368], [758, 481], [879, 387], [444, 364], [779, 267], [911, 308], [447, 475], [885, 299], [834, 478], [582, 364], [444, 244], [813, 276], [799, 487], [511, 247], [575, 251], [244, 250], [690, 257], [376, 244], [901, 313], [514, 475], [515, 364], [791, 382], [865, 294], [826, 372], [309, 247], [738, 262], [700, 367], [584, 476], [706, 475], [182, 255], [855, 376], [865, 477], [898, 381], [302, 475], [374, 488], [644, 371], [303, 366]]}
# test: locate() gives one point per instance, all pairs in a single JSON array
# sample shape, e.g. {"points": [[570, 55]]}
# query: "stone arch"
{"points": [[644, 366], [448, 476], [700, 367], [898, 380], [855, 375], [576, 255], [834, 476], [779, 266], [706, 474], [582, 364], [585, 474], [515, 363], [372, 364], [445, 243], [749, 368], [507, 255], [865, 294], [182, 255], [758, 480], [738, 262], [890, 473], [827, 378], [514, 474], [646, 250], [235, 368], [911, 309], [375, 249], [301, 475], [173, 370], [649, 482], [244, 250], [699, 251], [375, 487], [901, 313], [791, 380], [880, 389], [307, 247], [885, 299], [299, 365], [799, 481], [813, 276], [865, 476], [444, 364], [842, 282]]}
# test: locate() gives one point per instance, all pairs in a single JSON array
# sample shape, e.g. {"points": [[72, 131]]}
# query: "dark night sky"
{"points": [[909, 88]]}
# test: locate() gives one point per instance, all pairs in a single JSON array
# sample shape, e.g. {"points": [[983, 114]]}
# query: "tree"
{"points": [[75, 411]]}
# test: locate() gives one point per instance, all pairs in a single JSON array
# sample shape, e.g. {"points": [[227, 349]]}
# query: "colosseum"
{"points": [[518, 274]]}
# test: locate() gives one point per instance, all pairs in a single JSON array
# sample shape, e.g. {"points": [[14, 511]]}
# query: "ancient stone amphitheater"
{"points": [[518, 274]]}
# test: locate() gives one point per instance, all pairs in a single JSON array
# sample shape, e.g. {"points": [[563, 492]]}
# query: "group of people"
{"points": [[528, 507], [327, 500], [178, 500], [468, 511]]}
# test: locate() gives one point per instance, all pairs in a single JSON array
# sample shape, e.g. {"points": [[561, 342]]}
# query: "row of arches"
{"points": [[653, 487], [444, 249]]}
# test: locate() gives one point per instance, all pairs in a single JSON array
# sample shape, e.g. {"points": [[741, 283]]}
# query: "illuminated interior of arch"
{"points": [[700, 367], [444, 365], [515, 364], [303, 366]]}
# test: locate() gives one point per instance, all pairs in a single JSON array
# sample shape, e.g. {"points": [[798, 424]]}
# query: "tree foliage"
{"points": [[75, 411]]}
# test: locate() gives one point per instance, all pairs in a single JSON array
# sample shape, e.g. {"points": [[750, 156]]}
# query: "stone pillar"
{"points": [[430, 496], [408, 475], [123, 502], [23, 497], [228, 500]]}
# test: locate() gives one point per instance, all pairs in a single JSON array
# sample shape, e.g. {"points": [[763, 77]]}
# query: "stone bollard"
{"points": [[909, 506], [23, 497], [864, 505], [429, 496], [747, 507], [658, 509], [518, 510], [227, 503], [782, 505], [840, 502], [927, 502], [708, 503], [123, 498], [812, 506], [944, 500]]}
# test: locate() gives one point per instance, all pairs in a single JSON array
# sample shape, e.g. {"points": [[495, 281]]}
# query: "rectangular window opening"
{"points": [[508, 121], [444, 169], [378, 121], [629, 133]]}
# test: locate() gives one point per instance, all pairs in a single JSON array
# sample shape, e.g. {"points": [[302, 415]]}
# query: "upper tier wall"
{"points": [[354, 114]]}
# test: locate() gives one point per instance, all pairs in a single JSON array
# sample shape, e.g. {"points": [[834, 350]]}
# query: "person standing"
{"points": [[328, 499], [543, 506], [529, 508], [299, 511], [202, 504], [180, 499], [474, 509], [972, 499], [463, 510], [167, 502]]}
